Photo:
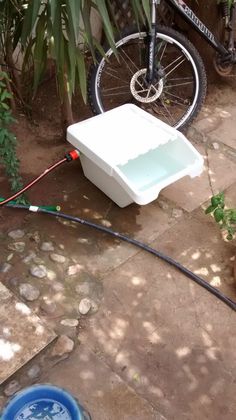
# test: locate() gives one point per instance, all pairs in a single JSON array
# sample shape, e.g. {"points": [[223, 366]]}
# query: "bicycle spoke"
{"points": [[158, 110], [163, 52], [167, 110], [122, 79], [116, 91], [177, 65], [141, 91], [148, 92], [176, 102], [179, 78], [107, 95], [131, 61], [108, 72], [174, 96], [180, 84], [113, 76], [116, 88]]}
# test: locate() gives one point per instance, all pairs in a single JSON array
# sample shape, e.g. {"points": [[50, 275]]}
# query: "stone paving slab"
{"points": [[22, 334], [102, 392], [191, 193], [105, 252], [171, 340], [211, 118], [219, 125]]}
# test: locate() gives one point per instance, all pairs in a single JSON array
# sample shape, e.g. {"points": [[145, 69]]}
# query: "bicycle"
{"points": [[159, 69]]}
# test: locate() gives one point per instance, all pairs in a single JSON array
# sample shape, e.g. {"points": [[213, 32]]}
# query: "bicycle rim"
{"points": [[120, 80]]}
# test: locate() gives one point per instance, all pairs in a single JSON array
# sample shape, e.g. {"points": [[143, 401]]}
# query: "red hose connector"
{"points": [[72, 155]]}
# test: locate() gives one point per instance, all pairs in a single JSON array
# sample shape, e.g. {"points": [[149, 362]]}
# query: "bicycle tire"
{"points": [[172, 38]]}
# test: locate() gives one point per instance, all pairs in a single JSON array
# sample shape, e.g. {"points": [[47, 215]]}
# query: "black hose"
{"points": [[141, 245]]}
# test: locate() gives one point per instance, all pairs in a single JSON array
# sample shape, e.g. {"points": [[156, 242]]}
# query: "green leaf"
{"points": [[147, 10], [53, 8], [101, 5], [210, 209], [58, 36], [81, 69], [5, 95], [218, 215], [215, 201], [27, 54], [71, 65], [73, 11], [40, 50], [5, 106], [87, 26], [138, 12], [30, 19], [218, 199]]}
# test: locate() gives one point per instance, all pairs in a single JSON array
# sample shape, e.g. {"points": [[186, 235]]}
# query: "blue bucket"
{"points": [[43, 402]]}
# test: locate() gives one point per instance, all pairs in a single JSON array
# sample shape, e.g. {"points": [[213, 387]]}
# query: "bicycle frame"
{"points": [[189, 16], [155, 73]]}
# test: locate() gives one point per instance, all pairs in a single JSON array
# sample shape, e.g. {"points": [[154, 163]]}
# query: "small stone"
{"points": [[74, 269], [70, 322], [34, 372], [48, 307], [38, 271], [85, 306], [63, 346], [177, 213], [164, 206], [47, 246], [12, 388], [38, 260], [57, 286], [58, 258], [61, 246], [16, 234], [17, 246], [14, 281], [106, 223], [83, 288], [10, 256], [83, 241], [35, 237], [216, 146], [5, 267], [29, 257], [29, 292], [51, 275], [94, 307]]}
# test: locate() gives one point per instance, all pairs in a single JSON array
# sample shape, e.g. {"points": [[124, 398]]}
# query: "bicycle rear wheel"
{"points": [[175, 99]]}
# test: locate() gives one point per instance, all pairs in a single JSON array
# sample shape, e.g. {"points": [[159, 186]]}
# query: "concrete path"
{"points": [[159, 346], [165, 338]]}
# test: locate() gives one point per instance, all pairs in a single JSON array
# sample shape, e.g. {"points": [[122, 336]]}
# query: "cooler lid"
{"points": [[119, 135]]}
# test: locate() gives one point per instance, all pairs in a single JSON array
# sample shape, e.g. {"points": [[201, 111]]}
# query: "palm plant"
{"points": [[61, 30], [11, 20]]}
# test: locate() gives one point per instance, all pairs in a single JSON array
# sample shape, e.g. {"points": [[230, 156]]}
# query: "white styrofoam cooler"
{"points": [[131, 155]]}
